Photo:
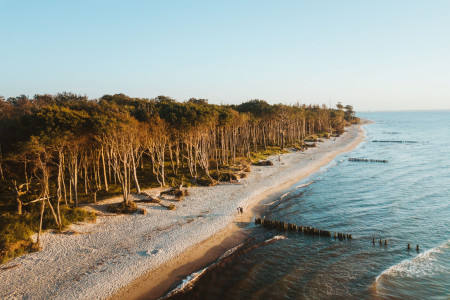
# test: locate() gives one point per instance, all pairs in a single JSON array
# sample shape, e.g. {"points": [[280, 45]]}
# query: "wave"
{"points": [[281, 198], [271, 203], [423, 265], [304, 185], [186, 283], [284, 195], [277, 237]]}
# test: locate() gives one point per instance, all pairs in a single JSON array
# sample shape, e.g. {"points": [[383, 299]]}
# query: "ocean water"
{"points": [[406, 200]]}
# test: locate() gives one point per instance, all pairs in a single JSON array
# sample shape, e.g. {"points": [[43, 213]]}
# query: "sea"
{"points": [[405, 200]]}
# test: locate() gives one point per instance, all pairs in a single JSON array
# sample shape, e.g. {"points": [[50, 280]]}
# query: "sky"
{"points": [[374, 55]]}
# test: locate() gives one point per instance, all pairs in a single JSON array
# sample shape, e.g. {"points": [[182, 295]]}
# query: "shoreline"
{"points": [[119, 255], [209, 251]]}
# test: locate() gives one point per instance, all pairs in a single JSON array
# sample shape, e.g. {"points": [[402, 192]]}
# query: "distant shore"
{"points": [[133, 256]]}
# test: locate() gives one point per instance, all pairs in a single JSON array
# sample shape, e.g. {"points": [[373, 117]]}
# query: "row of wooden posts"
{"points": [[274, 224], [383, 141], [386, 242], [368, 160]]}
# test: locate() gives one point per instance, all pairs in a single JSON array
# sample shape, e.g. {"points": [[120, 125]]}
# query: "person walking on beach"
{"points": [[241, 210]]}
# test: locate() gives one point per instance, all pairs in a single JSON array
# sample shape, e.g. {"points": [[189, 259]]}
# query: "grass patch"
{"points": [[122, 207], [16, 231], [262, 155]]}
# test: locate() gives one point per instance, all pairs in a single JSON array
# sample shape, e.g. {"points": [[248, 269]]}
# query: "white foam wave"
{"points": [[423, 265], [284, 195], [229, 252], [304, 185], [187, 283], [271, 202], [281, 198], [277, 237]]}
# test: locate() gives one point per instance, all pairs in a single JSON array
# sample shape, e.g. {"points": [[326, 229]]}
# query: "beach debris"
{"points": [[178, 192], [10, 267], [310, 145], [169, 207], [296, 149], [204, 182], [368, 160], [142, 211], [263, 163], [148, 198], [122, 207]]}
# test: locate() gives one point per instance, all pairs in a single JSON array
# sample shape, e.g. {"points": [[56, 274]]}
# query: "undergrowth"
{"points": [[122, 207], [16, 231]]}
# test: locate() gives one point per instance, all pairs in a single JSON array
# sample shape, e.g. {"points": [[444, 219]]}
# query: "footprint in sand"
{"points": [[149, 252]]}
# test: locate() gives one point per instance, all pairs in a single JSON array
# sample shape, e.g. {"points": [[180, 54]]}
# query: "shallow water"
{"points": [[406, 200]]}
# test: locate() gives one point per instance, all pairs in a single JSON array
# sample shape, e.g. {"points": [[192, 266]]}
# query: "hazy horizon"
{"points": [[375, 56]]}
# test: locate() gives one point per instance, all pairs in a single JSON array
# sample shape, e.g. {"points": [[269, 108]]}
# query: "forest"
{"points": [[60, 151]]}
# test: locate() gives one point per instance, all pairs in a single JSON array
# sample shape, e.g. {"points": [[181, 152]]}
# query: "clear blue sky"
{"points": [[371, 54]]}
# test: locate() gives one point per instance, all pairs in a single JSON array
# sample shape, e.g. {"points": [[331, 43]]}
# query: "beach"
{"points": [[128, 256]]}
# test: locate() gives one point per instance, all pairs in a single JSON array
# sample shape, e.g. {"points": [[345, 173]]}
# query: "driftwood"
{"points": [[169, 207], [309, 145], [263, 163], [151, 199], [178, 192], [148, 199], [10, 267]]}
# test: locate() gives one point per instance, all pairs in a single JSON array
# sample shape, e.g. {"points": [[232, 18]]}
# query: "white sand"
{"points": [[116, 250]]}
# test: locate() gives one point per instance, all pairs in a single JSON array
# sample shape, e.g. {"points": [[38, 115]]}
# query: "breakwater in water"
{"points": [[284, 226], [401, 142], [401, 202], [368, 160]]}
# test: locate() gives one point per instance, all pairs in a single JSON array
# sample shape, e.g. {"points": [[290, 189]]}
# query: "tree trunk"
{"points": [[19, 206], [1, 162], [40, 223], [135, 178], [104, 171]]}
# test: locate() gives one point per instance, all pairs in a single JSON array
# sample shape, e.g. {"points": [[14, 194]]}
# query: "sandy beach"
{"points": [[129, 256]]}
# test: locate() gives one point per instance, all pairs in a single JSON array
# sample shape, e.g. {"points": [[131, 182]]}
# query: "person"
{"points": [[242, 210], [239, 209]]}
